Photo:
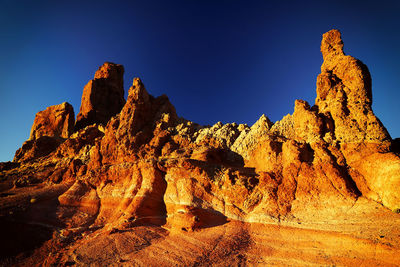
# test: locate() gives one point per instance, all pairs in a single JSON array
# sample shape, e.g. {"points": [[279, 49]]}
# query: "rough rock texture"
{"points": [[103, 97], [32, 149], [50, 128], [344, 92], [344, 97], [54, 121], [138, 181]]}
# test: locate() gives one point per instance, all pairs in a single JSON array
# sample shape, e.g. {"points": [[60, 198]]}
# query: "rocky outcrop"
{"points": [[344, 98], [54, 121], [140, 130], [50, 128], [135, 163], [344, 92], [37, 148], [103, 97], [155, 166]]}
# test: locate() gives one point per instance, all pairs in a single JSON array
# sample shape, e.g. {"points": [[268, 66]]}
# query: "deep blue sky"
{"points": [[228, 61]]}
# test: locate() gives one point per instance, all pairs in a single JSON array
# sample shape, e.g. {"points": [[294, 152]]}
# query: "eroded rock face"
{"points": [[54, 121], [103, 97], [344, 92], [50, 128], [32, 149], [147, 165], [140, 130], [344, 96]]}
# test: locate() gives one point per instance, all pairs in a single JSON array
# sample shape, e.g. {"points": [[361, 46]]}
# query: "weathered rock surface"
{"points": [[54, 121], [344, 91], [37, 148], [344, 97], [103, 97], [50, 128], [330, 168]]}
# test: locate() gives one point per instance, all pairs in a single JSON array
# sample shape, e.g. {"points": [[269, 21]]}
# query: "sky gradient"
{"points": [[228, 61]]}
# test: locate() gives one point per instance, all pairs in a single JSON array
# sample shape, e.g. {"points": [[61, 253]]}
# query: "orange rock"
{"points": [[308, 125], [103, 97], [148, 166], [82, 196], [80, 143], [50, 128], [136, 125], [344, 93], [54, 121], [37, 148], [376, 171]]}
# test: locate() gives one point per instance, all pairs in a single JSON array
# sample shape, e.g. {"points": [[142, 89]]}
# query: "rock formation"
{"points": [[50, 127], [103, 97], [138, 163], [344, 95], [54, 121]]}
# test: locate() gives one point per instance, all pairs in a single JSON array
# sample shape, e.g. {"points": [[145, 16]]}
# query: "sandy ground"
{"points": [[34, 234], [232, 244]]}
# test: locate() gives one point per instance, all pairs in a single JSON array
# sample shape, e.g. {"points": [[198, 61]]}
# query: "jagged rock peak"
{"points": [[138, 92], [344, 92], [103, 97], [264, 119], [349, 71], [332, 43], [110, 71]]}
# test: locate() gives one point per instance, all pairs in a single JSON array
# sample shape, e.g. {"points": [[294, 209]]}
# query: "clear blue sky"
{"points": [[228, 61]]}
